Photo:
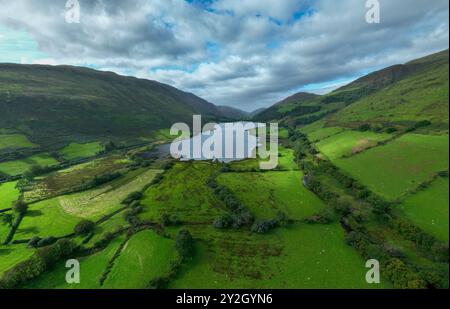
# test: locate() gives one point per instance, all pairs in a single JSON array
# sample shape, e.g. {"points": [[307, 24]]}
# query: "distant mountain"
{"points": [[232, 113], [65, 102], [285, 107], [399, 95], [257, 111]]}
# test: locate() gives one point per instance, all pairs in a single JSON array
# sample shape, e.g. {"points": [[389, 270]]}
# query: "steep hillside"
{"points": [[67, 103], [232, 113], [399, 95]]}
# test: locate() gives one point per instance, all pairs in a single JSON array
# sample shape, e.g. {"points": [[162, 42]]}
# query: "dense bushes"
{"points": [[393, 268], [130, 215], [184, 244], [134, 196], [238, 215], [428, 244], [264, 226], [20, 207], [84, 227], [43, 259], [7, 219], [169, 220], [102, 179]]}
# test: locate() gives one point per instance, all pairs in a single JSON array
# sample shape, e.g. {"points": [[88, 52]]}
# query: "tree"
{"points": [[184, 244], [8, 219], [84, 227], [20, 207], [132, 197], [264, 226]]}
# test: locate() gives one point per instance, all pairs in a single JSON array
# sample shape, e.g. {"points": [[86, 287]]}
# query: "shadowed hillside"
{"points": [[64, 102]]}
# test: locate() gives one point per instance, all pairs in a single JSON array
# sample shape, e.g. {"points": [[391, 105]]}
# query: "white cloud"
{"points": [[240, 54]]}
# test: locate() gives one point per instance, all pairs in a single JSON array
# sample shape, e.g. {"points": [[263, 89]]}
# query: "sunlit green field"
{"points": [[265, 194], [77, 151], [11, 255], [91, 269], [300, 256], [348, 143], [8, 194], [183, 193], [429, 208], [20, 166], [147, 256], [400, 165], [59, 215], [13, 141], [322, 133]]}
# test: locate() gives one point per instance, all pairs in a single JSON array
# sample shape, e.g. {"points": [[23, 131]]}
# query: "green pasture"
{"points": [[400, 165]]}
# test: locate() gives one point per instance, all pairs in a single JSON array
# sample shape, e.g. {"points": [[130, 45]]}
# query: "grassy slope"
{"points": [[183, 193], [400, 165], [20, 166], [8, 194], [265, 194], [348, 143], [301, 256], [60, 104], [59, 215], [77, 151], [11, 255], [146, 256], [428, 209], [13, 141], [91, 269], [422, 95]]}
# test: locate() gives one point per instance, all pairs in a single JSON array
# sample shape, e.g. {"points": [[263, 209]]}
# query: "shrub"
{"points": [[158, 283], [263, 226], [158, 178], [391, 130], [84, 227], [184, 244], [22, 272], [169, 220], [8, 219], [33, 242], [168, 166], [443, 174], [46, 241], [223, 222], [20, 207], [38, 263], [104, 241], [132, 197], [364, 127], [52, 254]]}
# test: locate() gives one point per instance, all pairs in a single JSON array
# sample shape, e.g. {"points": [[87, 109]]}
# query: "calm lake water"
{"points": [[234, 146]]}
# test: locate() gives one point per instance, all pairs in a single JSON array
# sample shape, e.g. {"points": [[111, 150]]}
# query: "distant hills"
{"points": [[232, 113], [57, 104], [399, 95], [66, 103]]}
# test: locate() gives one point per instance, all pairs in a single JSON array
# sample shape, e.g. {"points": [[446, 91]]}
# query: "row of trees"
{"points": [[184, 244], [356, 205], [238, 215], [43, 259], [19, 208]]}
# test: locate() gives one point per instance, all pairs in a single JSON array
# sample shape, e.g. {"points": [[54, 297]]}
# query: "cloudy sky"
{"points": [[242, 53]]}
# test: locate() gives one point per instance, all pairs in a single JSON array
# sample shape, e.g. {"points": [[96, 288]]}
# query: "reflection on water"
{"points": [[235, 141]]}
